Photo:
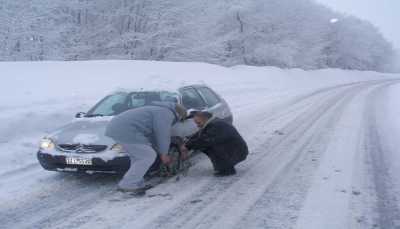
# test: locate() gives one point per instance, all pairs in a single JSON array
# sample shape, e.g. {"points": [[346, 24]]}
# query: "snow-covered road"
{"points": [[319, 158]]}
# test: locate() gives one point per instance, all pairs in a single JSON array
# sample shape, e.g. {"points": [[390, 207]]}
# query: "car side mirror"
{"points": [[80, 114]]}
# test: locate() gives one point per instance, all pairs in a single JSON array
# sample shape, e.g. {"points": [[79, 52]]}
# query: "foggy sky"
{"points": [[385, 14]]}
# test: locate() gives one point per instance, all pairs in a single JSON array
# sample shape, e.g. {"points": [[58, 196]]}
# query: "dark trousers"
{"points": [[219, 160]]}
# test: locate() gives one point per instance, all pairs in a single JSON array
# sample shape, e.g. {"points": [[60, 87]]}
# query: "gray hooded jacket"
{"points": [[150, 125]]}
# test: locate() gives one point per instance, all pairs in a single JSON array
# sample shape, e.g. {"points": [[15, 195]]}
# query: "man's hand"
{"points": [[166, 159], [184, 152]]}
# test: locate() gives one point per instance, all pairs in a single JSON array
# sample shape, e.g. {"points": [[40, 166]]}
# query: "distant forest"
{"points": [[282, 33]]}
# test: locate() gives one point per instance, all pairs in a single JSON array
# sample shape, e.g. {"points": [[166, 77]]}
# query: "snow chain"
{"points": [[178, 166]]}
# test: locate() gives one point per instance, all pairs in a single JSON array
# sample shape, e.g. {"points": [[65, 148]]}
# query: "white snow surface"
{"points": [[323, 149]]}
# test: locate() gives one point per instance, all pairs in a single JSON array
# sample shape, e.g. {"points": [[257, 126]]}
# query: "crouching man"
{"points": [[220, 141], [137, 130]]}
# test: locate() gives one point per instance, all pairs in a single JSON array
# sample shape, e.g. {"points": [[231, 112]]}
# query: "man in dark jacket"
{"points": [[220, 141]]}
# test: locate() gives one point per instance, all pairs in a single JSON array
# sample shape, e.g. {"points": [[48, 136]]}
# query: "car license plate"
{"points": [[78, 161]]}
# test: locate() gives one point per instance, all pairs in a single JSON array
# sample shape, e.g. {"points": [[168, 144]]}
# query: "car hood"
{"points": [[87, 131]]}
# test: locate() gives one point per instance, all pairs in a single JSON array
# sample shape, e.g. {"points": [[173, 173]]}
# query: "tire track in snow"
{"points": [[387, 209], [66, 193], [17, 172], [285, 195], [284, 199]]}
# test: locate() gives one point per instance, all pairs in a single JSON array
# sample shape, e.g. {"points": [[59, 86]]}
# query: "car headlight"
{"points": [[117, 148], [46, 144]]}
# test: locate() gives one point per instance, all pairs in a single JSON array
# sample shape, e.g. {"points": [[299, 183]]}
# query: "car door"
{"points": [[214, 103], [191, 99]]}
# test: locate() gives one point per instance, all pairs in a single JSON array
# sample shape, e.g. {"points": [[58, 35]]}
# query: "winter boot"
{"points": [[137, 192], [226, 172]]}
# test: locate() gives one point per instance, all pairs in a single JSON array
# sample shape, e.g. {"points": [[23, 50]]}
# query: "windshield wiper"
{"points": [[93, 115]]}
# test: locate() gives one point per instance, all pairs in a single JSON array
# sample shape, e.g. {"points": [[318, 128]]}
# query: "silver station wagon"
{"points": [[81, 146]]}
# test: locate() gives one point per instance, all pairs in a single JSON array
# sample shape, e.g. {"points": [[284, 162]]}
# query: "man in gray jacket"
{"points": [[137, 130]]}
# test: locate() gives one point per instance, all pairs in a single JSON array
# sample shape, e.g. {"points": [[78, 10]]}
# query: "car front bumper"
{"points": [[57, 162]]}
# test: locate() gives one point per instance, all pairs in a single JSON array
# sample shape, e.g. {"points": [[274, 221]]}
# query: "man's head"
{"points": [[201, 118]]}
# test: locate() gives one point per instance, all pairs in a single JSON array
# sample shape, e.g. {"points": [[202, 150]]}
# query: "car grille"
{"points": [[79, 148]]}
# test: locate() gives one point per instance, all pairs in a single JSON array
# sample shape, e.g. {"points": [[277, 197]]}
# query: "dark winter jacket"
{"points": [[220, 138]]}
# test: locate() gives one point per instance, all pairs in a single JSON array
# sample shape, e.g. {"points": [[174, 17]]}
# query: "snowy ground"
{"points": [[323, 149]]}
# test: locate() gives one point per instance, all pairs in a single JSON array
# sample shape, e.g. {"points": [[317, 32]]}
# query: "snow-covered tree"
{"points": [[282, 33]]}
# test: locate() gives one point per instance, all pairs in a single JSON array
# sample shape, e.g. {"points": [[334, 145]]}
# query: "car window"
{"points": [[105, 107], [139, 100], [169, 97], [120, 102], [191, 99], [210, 97]]}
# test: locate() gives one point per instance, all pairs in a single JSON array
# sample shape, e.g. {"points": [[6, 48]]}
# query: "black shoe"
{"points": [[134, 192], [226, 172], [138, 193]]}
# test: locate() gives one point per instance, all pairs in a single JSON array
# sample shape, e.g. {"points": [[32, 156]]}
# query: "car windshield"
{"points": [[117, 103]]}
